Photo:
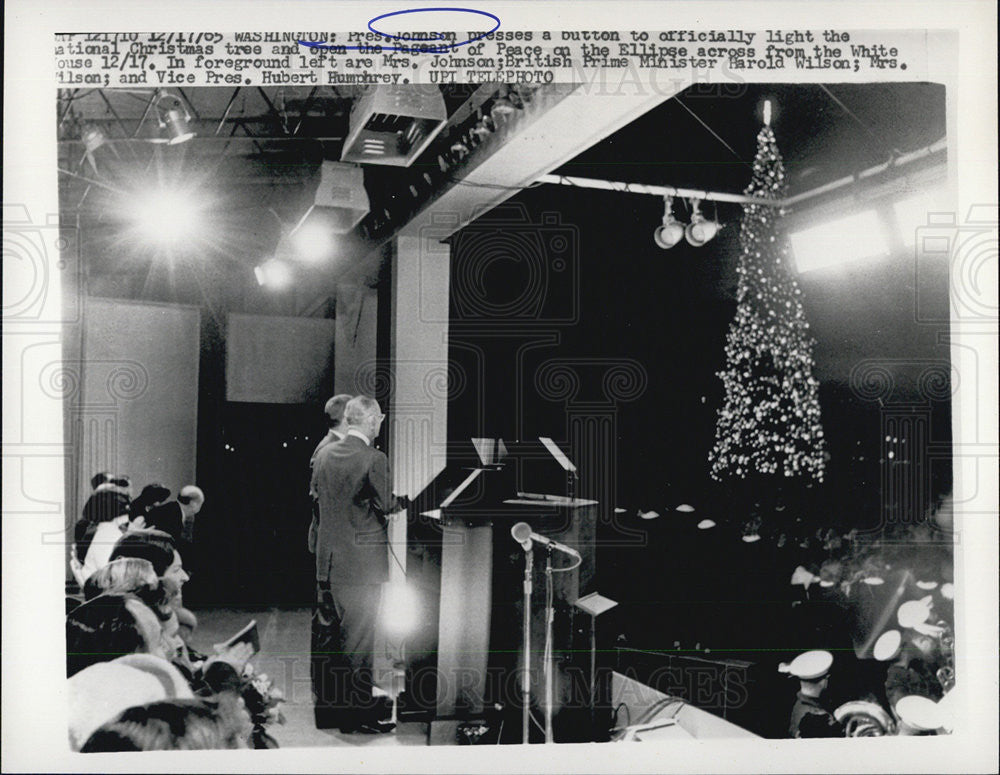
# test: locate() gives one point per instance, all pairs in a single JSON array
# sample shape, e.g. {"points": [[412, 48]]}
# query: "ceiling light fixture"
{"points": [[175, 120], [670, 232], [393, 124], [700, 230], [504, 105]]}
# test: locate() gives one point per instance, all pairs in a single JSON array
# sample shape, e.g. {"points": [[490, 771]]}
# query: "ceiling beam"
{"points": [[560, 123], [579, 121]]}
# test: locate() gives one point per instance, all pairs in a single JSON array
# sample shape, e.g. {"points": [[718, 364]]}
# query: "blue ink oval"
{"points": [[371, 24], [439, 49]]}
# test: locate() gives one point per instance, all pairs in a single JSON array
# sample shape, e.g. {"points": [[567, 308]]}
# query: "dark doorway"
{"points": [[252, 544]]}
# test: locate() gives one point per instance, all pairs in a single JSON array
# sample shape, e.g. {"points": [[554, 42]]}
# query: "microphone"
{"points": [[523, 534]]}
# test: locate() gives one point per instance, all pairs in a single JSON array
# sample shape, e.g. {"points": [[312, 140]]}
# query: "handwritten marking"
{"points": [[411, 49]]}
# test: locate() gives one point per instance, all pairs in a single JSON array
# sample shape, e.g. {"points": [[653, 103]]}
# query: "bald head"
{"points": [[363, 413]]}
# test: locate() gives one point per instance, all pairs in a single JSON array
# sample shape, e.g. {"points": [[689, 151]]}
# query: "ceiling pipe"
{"points": [[658, 191], [719, 196]]}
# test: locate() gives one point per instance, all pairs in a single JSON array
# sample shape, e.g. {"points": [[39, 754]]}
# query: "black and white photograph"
{"points": [[509, 412]]}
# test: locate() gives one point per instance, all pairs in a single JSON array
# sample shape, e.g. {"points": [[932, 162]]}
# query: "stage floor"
{"points": [[284, 657]]}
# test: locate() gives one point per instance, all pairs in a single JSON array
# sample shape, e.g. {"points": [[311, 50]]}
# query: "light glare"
{"points": [[841, 241], [166, 216], [313, 241]]}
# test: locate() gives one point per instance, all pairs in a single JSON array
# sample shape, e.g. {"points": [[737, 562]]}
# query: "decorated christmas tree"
{"points": [[769, 423]]}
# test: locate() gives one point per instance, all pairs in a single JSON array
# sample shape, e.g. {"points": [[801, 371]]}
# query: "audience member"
{"points": [[110, 626], [158, 548], [151, 495], [108, 509], [97, 694], [178, 725], [120, 576], [177, 517], [915, 670]]}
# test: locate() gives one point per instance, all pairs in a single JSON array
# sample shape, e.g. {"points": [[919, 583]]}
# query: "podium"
{"points": [[469, 572]]}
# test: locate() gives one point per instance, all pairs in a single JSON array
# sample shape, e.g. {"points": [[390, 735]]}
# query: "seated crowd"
{"points": [[873, 608], [136, 683]]}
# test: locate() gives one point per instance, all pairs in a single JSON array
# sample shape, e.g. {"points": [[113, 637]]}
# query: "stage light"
{"points": [[177, 127], [313, 241], [174, 120], [273, 274], [670, 232], [503, 105], [400, 609], [341, 201], [700, 230], [93, 138], [393, 124], [459, 148], [483, 128], [166, 216]]}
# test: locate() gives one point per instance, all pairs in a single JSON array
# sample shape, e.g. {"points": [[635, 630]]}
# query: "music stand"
{"points": [[594, 604]]}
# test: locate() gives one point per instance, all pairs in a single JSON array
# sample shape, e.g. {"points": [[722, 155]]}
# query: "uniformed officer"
{"points": [[810, 717]]}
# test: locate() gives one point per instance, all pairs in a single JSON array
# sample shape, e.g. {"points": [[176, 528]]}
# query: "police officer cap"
{"points": [[887, 646], [920, 713], [914, 612], [810, 666]]}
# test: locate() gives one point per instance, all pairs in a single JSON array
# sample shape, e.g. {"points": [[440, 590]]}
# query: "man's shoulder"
{"points": [[341, 449]]}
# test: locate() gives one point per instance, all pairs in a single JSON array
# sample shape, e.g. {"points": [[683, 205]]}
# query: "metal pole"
{"points": [[549, 616], [593, 673], [526, 676]]}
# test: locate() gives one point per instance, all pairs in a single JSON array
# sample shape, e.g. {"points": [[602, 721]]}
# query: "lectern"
{"points": [[470, 572]]}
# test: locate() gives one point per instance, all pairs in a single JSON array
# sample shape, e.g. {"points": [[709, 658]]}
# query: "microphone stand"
{"points": [[526, 676], [549, 616]]}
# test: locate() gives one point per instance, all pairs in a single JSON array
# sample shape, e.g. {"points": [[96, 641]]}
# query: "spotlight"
{"points": [[393, 124], [166, 216], [483, 128], [313, 240], [671, 231], [273, 274], [177, 127], [174, 120], [504, 105], [93, 138], [700, 230]]}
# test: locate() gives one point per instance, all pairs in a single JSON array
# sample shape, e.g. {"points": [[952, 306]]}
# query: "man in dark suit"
{"points": [[351, 481], [337, 430], [177, 517]]}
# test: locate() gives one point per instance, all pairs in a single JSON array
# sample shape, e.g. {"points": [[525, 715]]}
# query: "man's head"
{"points": [[363, 413], [813, 671], [191, 499], [815, 687], [334, 410]]}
